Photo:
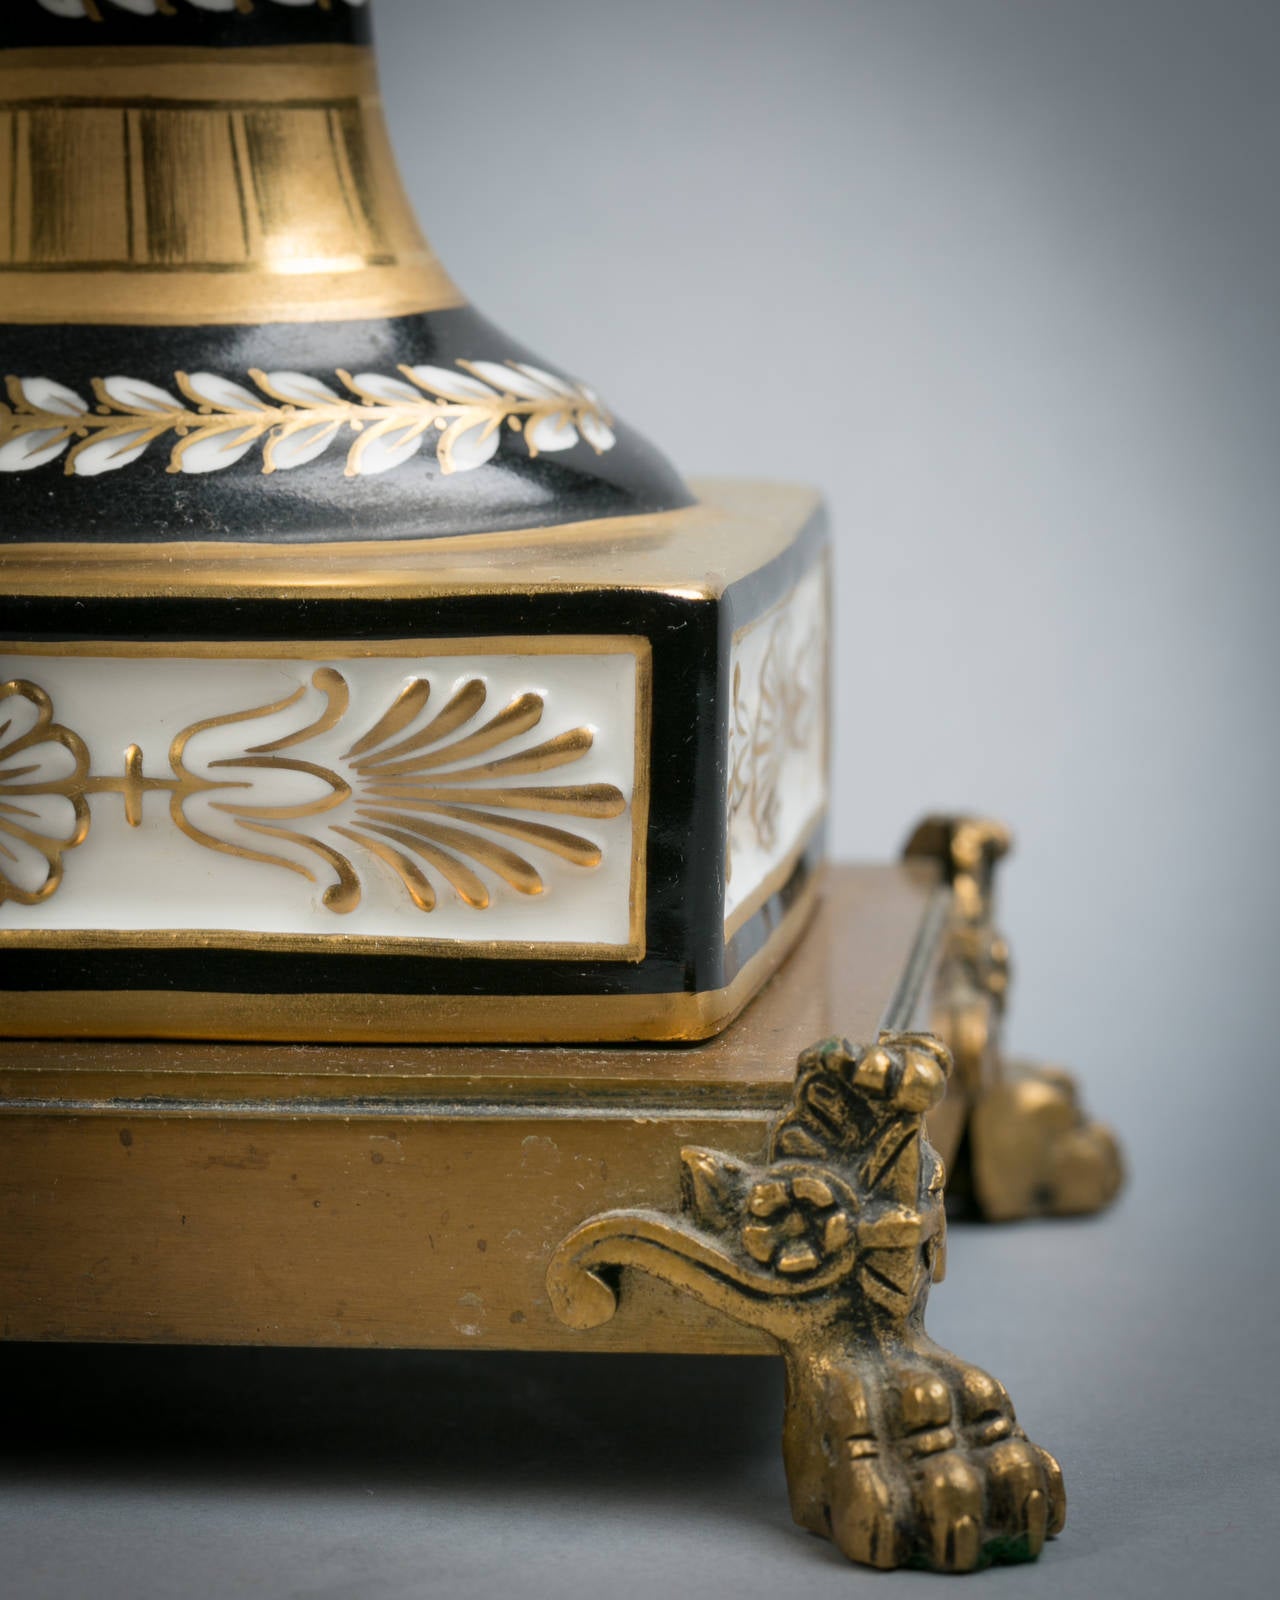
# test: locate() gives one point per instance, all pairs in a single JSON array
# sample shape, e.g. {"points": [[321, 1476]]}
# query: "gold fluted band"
{"points": [[178, 186]]}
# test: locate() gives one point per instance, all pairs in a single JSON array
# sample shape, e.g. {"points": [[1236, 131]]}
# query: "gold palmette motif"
{"points": [[296, 417], [769, 715], [43, 806], [895, 1449], [431, 800]]}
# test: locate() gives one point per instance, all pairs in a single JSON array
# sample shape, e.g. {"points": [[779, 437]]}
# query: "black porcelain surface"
{"points": [[319, 501]]}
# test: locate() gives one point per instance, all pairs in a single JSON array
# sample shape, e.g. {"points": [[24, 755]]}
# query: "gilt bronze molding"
{"points": [[1032, 1150], [899, 1452]]}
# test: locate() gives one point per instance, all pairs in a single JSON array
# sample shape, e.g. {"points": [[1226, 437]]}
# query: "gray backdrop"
{"points": [[1000, 276]]}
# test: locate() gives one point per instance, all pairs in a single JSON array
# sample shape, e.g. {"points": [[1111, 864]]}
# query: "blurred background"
{"points": [[1001, 278]]}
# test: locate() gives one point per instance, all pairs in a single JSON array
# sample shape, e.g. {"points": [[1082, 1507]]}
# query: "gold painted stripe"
{"points": [[641, 796], [422, 648], [403, 1018], [182, 297], [315, 944], [160, 73]]}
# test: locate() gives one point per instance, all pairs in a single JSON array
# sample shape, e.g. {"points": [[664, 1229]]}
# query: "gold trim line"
{"points": [[697, 552], [777, 879], [404, 1018]]}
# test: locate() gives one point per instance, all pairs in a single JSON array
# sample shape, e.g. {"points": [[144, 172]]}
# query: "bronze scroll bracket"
{"points": [[895, 1449]]}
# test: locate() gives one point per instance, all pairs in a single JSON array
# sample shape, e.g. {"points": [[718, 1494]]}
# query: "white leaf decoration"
{"points": [[65, 8], [386, 446], [549, 380], [211, 390], [299, 388], [597, 432], [390, 391], [115, 451], [293, 417], [135, 395], [553, 432], [452, 385], [296, 449], [212, 451], [510, 380], [467, 445], [42, 394], [32, 449]]}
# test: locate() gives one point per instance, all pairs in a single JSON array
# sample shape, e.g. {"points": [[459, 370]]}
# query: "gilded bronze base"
{"points": [[641, 1197], [894, 1448]]}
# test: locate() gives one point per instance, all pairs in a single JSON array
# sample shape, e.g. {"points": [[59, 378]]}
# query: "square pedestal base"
{"points": [[411, 1195]]}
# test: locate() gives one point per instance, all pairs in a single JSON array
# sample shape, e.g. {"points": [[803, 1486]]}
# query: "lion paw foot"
{"points": [[1036, 1152], [923, 1464]]}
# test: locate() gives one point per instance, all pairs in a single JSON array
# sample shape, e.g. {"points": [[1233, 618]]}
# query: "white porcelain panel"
{"points": [[777, 787], [471, 795]]}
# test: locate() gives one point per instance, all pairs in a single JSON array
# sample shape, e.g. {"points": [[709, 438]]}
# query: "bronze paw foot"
{"points": [[1035, 1152], [1032, 1149], [894, 1449], [905, 1456]]}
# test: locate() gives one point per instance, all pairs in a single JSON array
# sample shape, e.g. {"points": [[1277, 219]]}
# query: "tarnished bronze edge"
{"points": [[733, 1103], [914, 991]]}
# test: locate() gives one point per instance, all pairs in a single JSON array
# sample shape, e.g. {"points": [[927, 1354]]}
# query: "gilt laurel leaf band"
{"points": [[292, 418]]}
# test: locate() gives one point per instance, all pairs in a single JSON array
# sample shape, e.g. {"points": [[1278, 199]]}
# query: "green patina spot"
{"points": [[1006, 1551]]}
